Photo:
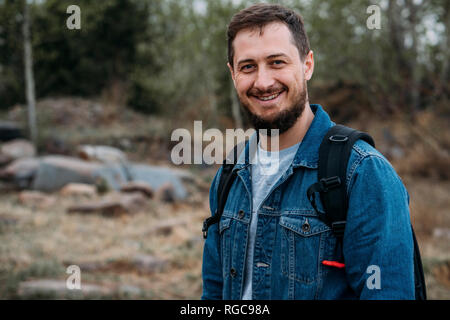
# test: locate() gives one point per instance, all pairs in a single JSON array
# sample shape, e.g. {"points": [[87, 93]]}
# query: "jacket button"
{"points": [[306, 227], [233, 272], [241, 214]]}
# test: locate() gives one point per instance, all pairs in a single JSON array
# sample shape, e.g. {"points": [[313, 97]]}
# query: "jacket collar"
{"points": [[308, 152]]}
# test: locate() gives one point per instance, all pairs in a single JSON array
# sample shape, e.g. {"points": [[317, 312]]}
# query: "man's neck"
{"points": [[292, 136]]}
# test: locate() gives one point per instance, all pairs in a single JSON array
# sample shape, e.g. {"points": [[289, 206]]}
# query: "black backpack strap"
{"points": [[419, 278], [226, 180], [334, 153]]}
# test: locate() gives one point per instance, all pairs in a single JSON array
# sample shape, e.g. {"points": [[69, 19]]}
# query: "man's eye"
{"points": [[247, 67], [278, 62]]}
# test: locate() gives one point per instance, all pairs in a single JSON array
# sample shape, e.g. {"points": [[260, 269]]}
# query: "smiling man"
{"points": [[270, 242]]}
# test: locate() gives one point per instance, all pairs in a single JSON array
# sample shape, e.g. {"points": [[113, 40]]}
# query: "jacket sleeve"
{"points": [[378, 245], [212, 264]]}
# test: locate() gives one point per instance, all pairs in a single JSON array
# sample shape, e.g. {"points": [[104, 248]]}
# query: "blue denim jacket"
{"points": [[291, 242]]}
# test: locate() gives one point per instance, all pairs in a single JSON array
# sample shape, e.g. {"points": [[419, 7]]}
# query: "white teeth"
{"points": [[269, 97]]}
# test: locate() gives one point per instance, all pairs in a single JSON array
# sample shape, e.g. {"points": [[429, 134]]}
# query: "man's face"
{"points": [[269, 76]]}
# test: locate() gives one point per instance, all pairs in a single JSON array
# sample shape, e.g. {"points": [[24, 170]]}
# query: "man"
{"points": [[269, 242]]}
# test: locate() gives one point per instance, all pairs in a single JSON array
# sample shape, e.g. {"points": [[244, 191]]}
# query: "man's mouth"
{"points": [[268, 98]]}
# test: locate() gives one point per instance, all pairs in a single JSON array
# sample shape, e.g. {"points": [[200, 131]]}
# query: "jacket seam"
{"points": [[357, 163]]}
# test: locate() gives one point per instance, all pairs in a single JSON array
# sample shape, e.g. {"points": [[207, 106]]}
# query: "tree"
{"points": [[29, 77], [11, 53]]}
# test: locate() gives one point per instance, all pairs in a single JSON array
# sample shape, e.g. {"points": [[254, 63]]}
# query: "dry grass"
{"points": [[42, 243]]}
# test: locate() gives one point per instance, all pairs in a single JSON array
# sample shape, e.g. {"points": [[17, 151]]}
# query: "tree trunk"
{"points": [[444, 76], [29, 77], [414, 92], [396, 37]]}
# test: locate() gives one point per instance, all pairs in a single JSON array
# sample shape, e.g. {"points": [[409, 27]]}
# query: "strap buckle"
{"points": [[205, 229], [338, 228], [329, 183], [338, 138]]}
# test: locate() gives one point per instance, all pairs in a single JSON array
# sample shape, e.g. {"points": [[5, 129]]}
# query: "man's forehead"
{"points": [[272, 37]]}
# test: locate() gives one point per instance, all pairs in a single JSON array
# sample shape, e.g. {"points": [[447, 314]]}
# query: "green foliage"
{"points": [[11, 56], [170, 55], [72, 62], [10, 277], [83, 62]]}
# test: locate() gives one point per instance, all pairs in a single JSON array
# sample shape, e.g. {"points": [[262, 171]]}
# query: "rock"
{"points": [[7, 220], [7, 187], [128, 290], [21, 172], [36, 199], [55, 172], [132, 202], [141, 263], [397, 152], [4, 159], [17, 149], [125, 144], [103, 154], [90, 266], [58, 288], [166, 193], [149, 264], [388, 136], [55, 145], [166, 227], [441, 233], [157, 176], [9, 131], [113, 205], [78, 189], [138, 186], [51, 173], [194, 241]]}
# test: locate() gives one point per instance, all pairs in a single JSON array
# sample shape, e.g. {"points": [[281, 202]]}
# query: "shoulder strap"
{"points": [[334, 153], [225, 182], [419, 278]]}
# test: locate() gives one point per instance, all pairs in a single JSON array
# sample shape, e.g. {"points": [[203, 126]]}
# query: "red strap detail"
{"points": [[333, 264]]}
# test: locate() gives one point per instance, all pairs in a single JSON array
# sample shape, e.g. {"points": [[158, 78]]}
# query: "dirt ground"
{"points": [[40, 243]]}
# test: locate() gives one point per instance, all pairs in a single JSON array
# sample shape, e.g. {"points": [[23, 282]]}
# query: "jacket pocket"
{"points": [[224, 224], [302, 245]]}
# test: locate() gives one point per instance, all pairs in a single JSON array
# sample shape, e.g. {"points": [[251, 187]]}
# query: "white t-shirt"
{"points": [[266, 170]]}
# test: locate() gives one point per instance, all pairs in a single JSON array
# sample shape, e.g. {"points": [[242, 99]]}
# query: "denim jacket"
{"points": [[292, 243]]}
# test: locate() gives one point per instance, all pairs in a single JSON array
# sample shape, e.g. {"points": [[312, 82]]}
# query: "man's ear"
{"points": [[309, 65], [232, 72]]}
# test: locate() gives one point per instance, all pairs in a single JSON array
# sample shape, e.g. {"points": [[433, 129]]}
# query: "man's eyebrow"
{"points": [[277, 55], [244, 61]]}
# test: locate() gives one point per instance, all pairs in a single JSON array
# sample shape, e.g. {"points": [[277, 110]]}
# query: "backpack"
{"points": [[334, 153]]}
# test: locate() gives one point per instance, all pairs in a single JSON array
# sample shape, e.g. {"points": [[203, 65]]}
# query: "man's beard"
{"points": [[284, 120]]}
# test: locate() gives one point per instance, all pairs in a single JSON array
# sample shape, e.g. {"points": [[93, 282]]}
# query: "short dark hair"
{"points": [[259, 15]]}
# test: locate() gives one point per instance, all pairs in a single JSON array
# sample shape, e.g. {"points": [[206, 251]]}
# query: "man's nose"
{"points": [[264, 80]]}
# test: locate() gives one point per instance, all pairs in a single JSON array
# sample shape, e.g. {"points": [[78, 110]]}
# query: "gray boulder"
{"points": [[51, 173]]}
